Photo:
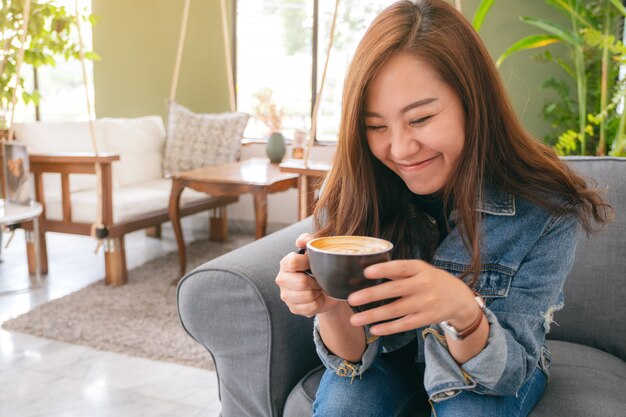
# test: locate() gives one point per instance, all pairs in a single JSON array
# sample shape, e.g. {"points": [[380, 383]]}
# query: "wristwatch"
{"points": [[460, 335]]}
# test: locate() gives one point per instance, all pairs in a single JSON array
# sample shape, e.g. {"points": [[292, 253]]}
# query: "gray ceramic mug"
{"points": [[337, 262]]}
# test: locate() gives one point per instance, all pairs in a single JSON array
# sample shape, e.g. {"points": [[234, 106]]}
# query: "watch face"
{"points": [[454, 333], [480, 301], [450, 329]]}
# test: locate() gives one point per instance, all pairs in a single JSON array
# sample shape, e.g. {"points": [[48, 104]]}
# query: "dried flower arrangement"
{"points": [[267, 111]]}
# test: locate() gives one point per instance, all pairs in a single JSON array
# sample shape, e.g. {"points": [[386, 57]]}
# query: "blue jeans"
{"points": [[393, 387]]}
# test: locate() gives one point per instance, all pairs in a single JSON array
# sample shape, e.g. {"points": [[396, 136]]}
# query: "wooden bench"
{"points": [[134, 189], [113, 244]]}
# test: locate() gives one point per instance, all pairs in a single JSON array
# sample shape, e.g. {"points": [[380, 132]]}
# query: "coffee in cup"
{"points": [[337, 262]]}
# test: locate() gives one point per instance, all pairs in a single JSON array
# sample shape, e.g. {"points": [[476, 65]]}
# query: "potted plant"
{"points": [[594, 122], [269, 114], [51, 35]]}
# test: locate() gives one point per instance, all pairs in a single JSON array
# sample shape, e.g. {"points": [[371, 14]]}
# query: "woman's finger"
{"points": [[393, 310], [293, 262], [296, 281], [300, 297], [397, 269], [384, 291], [403, 324], [303, 239], [306, 310]]}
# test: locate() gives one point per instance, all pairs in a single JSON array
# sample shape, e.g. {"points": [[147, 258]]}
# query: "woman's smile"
{"points": [[417, 166]]}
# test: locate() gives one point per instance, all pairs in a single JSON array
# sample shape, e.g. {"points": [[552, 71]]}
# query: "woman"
{"points": [[483, 217]]}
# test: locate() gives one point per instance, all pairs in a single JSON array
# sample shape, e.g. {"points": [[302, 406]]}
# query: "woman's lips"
{"points": [[416, 167]]}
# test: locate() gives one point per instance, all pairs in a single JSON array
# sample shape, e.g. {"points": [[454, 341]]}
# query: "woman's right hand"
{"points": [[298, 290]]}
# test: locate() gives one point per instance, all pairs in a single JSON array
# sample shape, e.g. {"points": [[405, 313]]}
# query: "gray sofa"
{"points": [[267, 365]]}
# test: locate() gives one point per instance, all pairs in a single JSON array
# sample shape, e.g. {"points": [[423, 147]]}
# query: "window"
{"points": [[278, 44], [61, 87]]}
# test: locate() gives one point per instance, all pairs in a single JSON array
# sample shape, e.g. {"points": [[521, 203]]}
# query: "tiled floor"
{"points": [[41, 377]]}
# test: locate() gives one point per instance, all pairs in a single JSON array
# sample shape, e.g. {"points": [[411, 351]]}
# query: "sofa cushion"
{"points": [[583, 382], [139, 142], [600, 394], [595, 289], [55, 137], [196, 140], [154, 195]]}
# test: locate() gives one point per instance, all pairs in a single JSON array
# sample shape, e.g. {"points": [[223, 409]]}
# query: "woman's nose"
{"points": [[404, 144]]}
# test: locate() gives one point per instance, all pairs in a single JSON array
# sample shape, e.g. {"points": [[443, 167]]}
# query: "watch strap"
{"points": [[462, 334]]}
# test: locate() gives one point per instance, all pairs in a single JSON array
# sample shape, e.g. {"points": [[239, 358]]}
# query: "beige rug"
{"points": [[137, 319]]}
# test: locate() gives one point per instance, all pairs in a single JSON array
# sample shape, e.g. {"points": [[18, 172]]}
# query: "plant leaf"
{"points": [[566, 6], [529, 42], [558, 30], [619, 6], [481, 12]]}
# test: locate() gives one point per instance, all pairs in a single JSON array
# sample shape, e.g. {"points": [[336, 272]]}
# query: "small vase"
{"points": [[275, 148]]}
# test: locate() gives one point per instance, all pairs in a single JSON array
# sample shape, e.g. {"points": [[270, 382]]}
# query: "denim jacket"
{"points": [[526, 255]]}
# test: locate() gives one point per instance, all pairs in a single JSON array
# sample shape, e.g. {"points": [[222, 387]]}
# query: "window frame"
{"points": [[314, 63]]}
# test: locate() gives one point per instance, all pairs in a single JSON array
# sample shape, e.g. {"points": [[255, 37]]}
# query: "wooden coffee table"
{"points": [[256, 176]]}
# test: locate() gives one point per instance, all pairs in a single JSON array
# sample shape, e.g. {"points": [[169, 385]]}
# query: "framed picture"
{"points": [[16, 173]]}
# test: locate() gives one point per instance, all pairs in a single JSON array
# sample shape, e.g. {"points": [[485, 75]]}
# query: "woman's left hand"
{"points": [[425, 295]]}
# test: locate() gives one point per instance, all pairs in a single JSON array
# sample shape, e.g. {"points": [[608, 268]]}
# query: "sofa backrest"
{"points": [[595, 290], [139, 142], [59, 137]]}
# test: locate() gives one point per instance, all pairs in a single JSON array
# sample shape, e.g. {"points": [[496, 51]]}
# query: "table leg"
{"points": [[260, 211], [37, 249], [218, 224], [303, 186], [312, 185], [306, 195], [174, 213]]}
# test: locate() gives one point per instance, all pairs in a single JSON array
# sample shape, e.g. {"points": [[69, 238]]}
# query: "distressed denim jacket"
{"points": [[526, 255]]}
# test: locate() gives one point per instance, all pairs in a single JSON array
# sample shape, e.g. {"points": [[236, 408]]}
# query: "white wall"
{"points": [[283, 206]]}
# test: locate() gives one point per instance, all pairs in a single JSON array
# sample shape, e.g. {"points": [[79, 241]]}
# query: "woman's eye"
{"points": [[421, 120], [374, 127]]}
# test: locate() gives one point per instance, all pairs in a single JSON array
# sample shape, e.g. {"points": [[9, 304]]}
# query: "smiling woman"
{"points": [[414, 123], [432, 158]]}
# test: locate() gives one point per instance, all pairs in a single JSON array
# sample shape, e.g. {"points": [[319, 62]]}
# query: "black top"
{"points": [[433, 206]]}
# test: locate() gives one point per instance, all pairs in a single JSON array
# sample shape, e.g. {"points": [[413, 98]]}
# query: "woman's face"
{"points": [[415, 123]]}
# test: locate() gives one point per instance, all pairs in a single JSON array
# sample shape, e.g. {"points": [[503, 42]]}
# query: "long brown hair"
{"points": [[364, 197]]}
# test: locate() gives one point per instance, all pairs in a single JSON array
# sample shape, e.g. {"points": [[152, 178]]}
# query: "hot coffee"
{"points": [[337, 262], [351, 244]]}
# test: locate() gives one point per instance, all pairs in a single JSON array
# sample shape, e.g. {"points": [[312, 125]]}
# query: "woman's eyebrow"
{"points": [[404, 109]]}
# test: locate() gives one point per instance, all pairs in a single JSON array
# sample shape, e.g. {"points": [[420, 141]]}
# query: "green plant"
{"points": [[594, 122], [51, 35]]}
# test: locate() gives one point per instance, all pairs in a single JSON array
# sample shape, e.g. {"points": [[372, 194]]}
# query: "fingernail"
{"points": [[353, 300]]}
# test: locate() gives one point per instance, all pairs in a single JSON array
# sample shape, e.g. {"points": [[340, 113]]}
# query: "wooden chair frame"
{"points": [[114, 251]]}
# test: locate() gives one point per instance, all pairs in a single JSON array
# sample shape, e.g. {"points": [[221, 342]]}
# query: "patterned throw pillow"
{"points": [[196, 140]]}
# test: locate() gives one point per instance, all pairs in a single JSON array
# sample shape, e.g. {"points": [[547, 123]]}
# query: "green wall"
{"points": [[137, 41], [521, 76]]}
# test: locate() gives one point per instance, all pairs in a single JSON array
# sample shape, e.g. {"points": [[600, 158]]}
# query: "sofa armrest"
{"points": [[75, 163], [231, 306], [71, 158]]}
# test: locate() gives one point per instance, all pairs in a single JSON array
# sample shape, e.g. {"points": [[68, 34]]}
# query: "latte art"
{"points": [[337, 262], [352, 245]]}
